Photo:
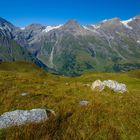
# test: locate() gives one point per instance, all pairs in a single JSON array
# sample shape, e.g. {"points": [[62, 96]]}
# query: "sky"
{"points": [[52, 12]]}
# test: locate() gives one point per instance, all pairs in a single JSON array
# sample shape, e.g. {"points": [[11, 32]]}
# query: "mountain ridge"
{"points": [[72, 48]]}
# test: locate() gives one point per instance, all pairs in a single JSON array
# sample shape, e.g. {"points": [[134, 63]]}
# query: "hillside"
{"points": [[108, 116], [71, 48]]}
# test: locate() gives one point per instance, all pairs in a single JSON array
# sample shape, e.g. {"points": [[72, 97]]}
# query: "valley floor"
{"points": [[108, 116]]}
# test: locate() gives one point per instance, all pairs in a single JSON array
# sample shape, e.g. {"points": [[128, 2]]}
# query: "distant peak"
{"points": [[2, 20], [72, 25], [137, 17], [72, 21], [115, 19], [35, 26], [7, 24]]}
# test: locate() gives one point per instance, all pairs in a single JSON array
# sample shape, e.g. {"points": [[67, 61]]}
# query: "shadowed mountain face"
{"points": [[10, 50], [6, 28], [70, 49]]}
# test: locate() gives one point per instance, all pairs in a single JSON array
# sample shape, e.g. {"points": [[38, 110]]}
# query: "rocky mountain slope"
{"points": [[10, 50], [72, 48]]}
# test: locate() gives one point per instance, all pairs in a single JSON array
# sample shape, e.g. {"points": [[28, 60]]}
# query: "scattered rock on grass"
{"points": [[20, 117], [114, 85], [66, 84], [84, 102], [24, 94]]}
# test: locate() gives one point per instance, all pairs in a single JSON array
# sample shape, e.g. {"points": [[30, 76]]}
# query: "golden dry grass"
{"points": [[109, 115]]}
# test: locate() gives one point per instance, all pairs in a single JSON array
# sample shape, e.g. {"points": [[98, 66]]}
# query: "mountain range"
{"points": [[71, 48]]}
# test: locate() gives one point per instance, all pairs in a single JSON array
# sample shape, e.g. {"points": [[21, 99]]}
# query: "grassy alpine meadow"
{"points": [[108, 116]]}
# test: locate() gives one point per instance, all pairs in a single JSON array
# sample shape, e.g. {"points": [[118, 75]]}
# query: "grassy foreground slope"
{"points": [[109, 115]]}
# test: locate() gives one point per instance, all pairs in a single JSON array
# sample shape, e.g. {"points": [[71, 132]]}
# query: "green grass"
{"points": [[109, 116]]}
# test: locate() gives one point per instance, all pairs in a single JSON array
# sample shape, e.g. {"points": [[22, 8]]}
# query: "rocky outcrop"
{"points": [[20, 117], [113, 85]]}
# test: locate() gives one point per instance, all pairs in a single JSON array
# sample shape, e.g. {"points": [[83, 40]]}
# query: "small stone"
{"points": [[84, 102], [67, 84], [24, 94]]}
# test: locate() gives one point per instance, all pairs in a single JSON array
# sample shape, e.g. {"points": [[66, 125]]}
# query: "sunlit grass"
{"points": [[109, 115]]}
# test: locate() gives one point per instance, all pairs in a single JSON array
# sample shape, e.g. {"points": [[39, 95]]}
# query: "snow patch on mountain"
{"points": [[104, 21], [22, 28], [49, 28], [125, 23], [138, 41], [92, 30], [96, 26]]}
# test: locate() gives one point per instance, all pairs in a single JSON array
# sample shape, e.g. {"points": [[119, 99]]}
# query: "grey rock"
{"points": [[20, 117], [24, 94], [84, 102]]}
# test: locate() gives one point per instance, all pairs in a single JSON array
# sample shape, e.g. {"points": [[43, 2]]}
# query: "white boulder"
{"points": [[98, 84], [114, 85], [19, 117]]}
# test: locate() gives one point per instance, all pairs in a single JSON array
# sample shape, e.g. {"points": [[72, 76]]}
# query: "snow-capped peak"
{"points": [[104, 21], [23, 28], [125, 23], [49, 28]]}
